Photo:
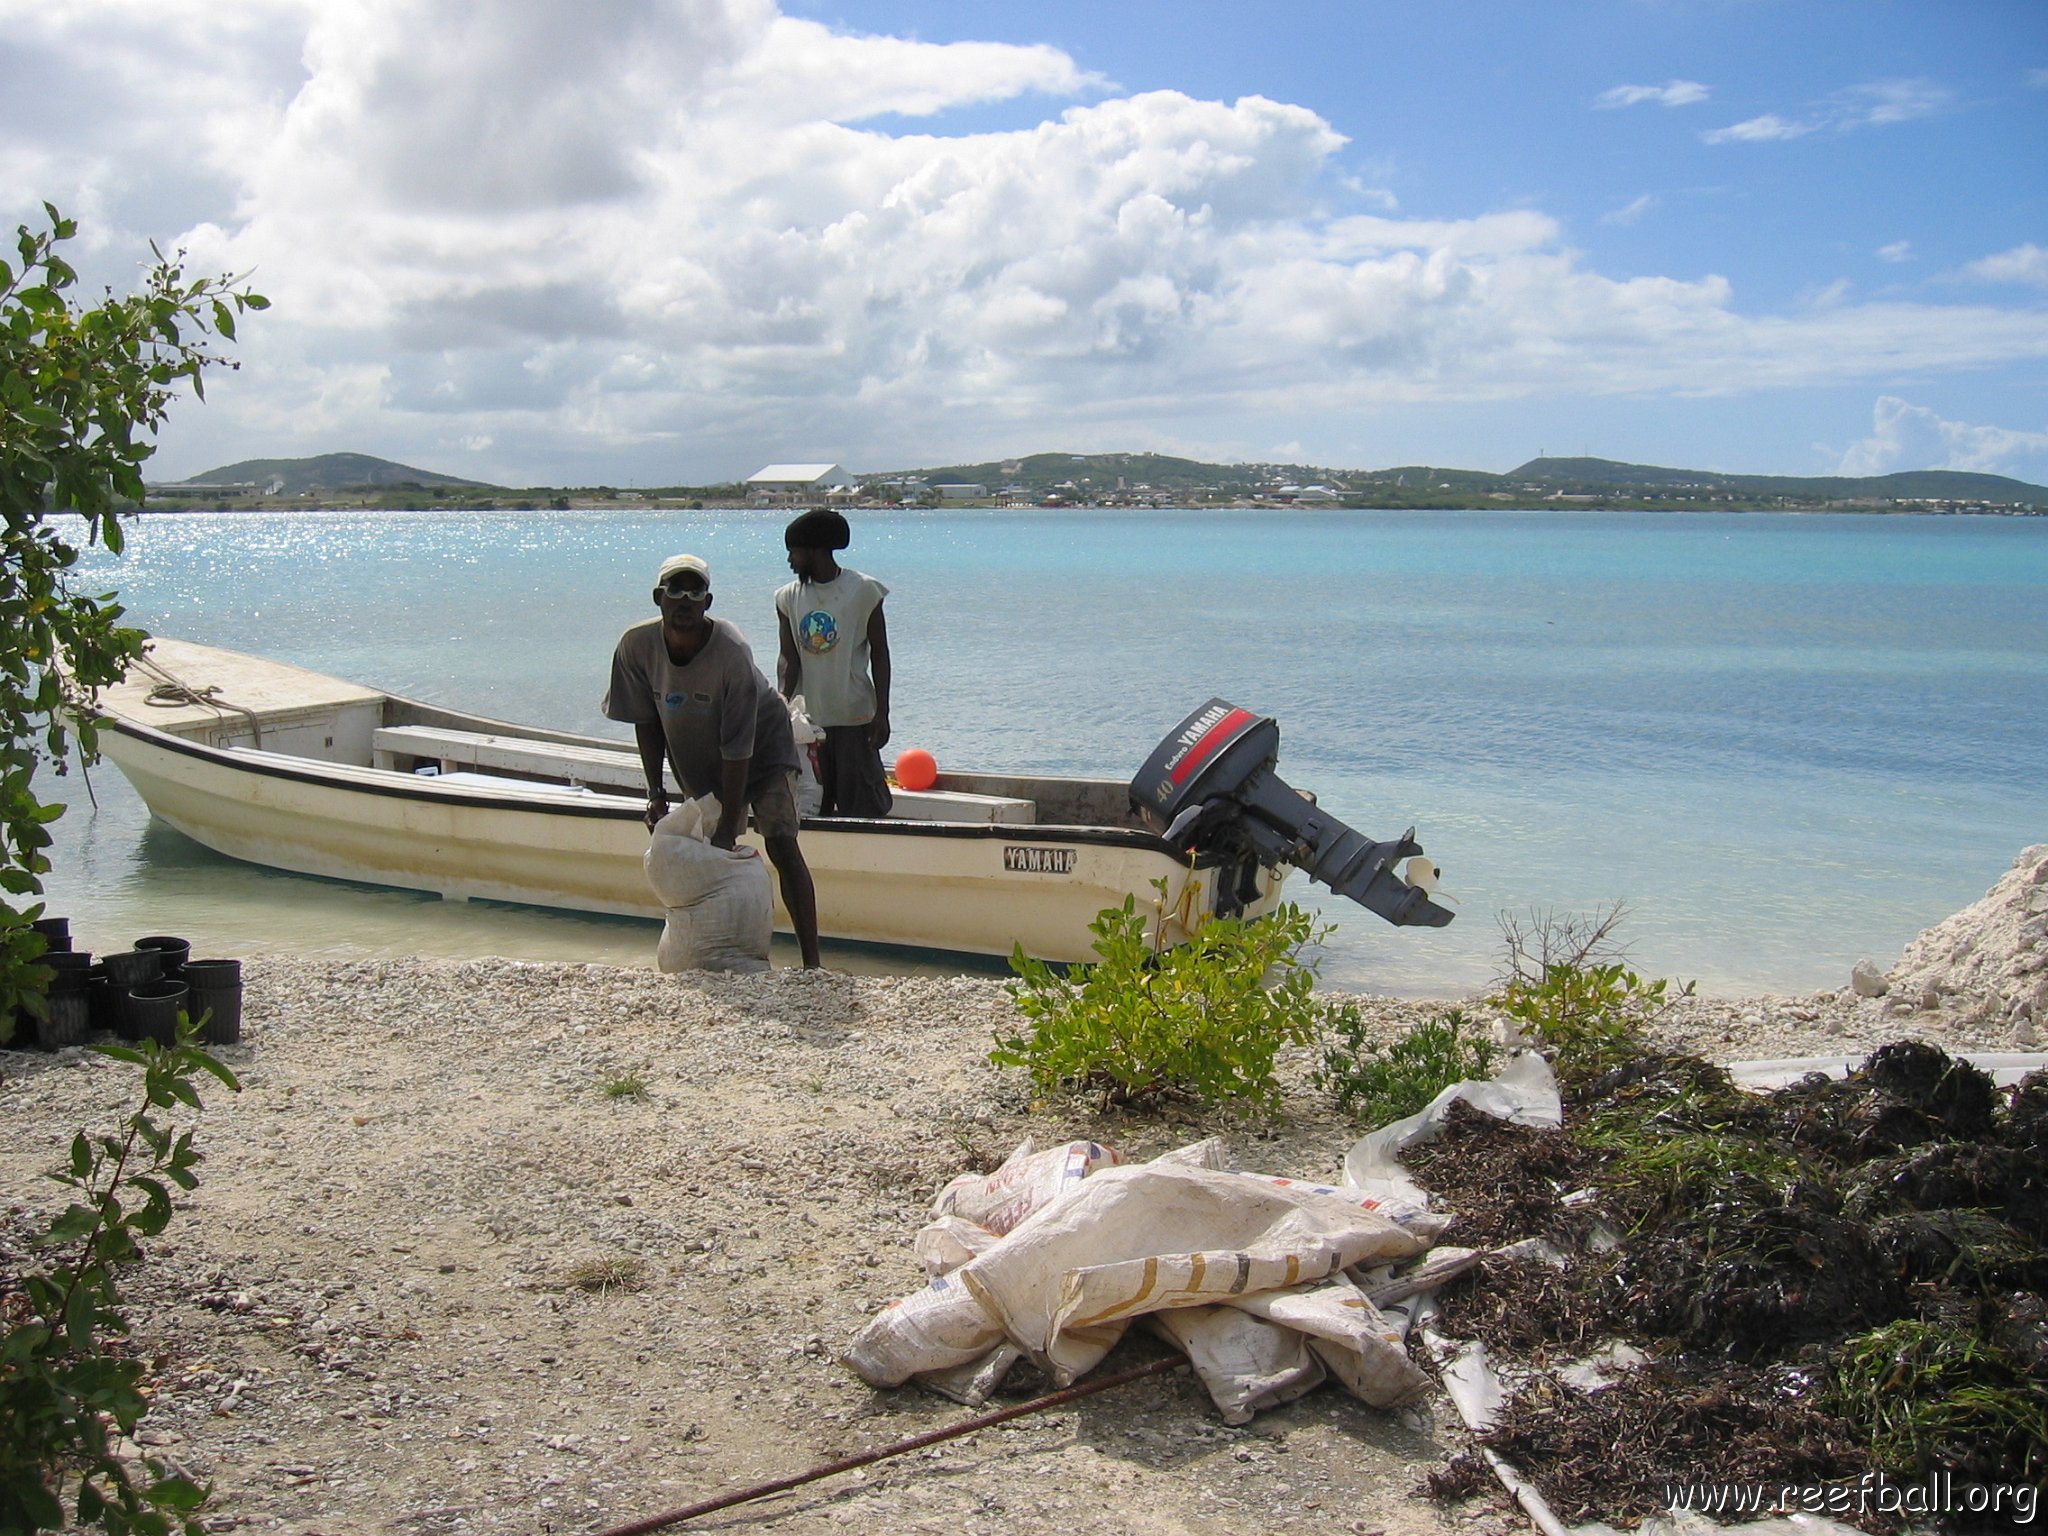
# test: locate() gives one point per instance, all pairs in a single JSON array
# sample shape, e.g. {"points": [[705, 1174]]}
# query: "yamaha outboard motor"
{"points": [[1210, 787]]}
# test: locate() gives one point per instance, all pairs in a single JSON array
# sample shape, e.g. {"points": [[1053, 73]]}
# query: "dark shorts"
{"points": [[850, 774], [774, 805]]}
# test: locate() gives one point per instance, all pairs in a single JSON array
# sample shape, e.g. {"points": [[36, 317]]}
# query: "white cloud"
{"points": [[1874, 104], [1673, 93], [1759, 130], [1630, 212], [659, 239], [1889, 101], [1898, 250], [1906, 436], [2021, 264]]}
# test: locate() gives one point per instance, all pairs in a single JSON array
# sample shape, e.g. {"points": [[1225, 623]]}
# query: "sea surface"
{"points": [[1785, 742]]}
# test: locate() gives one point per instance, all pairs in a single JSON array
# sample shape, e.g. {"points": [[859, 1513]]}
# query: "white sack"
{"points": [[1416, 1217], [1363, 1350], [944, 1245], [935, 1329], [1128, 1241], [1028, 1181], [975, 1382], [810, 793], [1246, 1363], [720, 914]]}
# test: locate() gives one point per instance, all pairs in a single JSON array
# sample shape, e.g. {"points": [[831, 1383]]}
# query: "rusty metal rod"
{"points": [[915, 1443]]}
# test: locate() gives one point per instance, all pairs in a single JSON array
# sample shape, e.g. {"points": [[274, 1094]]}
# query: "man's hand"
{"points": [[657, 807], [878, 730], [724, 837]]}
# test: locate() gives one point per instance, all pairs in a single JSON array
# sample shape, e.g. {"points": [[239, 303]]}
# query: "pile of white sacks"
{"points": [[1269, 1285]]}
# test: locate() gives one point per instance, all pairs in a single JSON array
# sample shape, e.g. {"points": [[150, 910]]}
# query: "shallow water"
{"points": [[1785, 741]]}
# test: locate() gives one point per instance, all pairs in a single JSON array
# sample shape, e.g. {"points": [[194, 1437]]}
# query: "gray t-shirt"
{"points": [[716, 708], [829, 622]]}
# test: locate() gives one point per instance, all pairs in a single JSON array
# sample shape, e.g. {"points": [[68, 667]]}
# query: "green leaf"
{"points": [[179, 1493], [206, 1063], [38, 1503], [155, 1213], [71, 1224]]}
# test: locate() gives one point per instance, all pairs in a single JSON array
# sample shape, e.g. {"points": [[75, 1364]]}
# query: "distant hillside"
{"points": [[1933, 484], [1111, 475], [328, 472], [1041, 472]]}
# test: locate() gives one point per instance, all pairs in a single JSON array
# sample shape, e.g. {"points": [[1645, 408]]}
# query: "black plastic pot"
{"points": [[216, 987], [132, 967], [152, 1011], [126, 971], [73, 968], [174, 951], [105, 1001], [56, 932], [67, 1016]]}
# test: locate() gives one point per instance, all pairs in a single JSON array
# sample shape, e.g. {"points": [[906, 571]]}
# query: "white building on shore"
{"points": [[785, 484]]}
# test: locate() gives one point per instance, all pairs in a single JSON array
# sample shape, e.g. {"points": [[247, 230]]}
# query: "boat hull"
{"points": [[978, 889]]}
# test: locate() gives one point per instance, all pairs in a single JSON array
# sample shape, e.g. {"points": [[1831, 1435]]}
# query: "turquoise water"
{"points": [[1785, 741]]}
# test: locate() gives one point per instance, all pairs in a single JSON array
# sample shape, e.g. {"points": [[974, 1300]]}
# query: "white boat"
{"points": [[289, 768]]}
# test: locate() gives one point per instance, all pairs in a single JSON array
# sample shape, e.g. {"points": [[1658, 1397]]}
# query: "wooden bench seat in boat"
{"points": [[617, 770]]}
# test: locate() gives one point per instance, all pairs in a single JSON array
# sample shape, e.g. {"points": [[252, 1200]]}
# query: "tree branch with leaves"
{"points": [[83, 391]]}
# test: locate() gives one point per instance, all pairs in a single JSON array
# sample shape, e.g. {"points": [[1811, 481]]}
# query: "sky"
{"points": [[658, 242]]}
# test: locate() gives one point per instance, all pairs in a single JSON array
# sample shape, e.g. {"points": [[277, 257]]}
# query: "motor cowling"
{"points": [[1211, 787]]}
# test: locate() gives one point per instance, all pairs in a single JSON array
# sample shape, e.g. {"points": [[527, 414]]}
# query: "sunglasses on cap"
{"points": [[686, 585]]}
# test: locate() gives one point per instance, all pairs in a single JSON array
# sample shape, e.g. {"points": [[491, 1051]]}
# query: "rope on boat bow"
{"points": [[172, 691]]}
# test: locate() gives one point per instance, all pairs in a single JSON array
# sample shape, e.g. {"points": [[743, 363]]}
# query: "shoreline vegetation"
{"points": [[357, 482]]}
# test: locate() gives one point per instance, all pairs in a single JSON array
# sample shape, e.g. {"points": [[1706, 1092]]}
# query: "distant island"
{"points": [[354, 480]]}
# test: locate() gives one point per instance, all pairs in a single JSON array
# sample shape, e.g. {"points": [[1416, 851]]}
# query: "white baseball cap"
{"points": [[677, 564]]}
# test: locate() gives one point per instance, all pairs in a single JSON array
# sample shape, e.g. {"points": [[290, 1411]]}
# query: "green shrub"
{"points": [[1568, 988], [1204, 1019], [1378, 1083], [66, 1390], [1587, 1018]]}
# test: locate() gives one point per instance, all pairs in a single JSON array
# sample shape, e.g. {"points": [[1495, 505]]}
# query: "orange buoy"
{"points": [[916, 768]]}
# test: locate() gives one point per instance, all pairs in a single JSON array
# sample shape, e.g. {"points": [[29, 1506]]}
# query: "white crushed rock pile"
{"points": [[1986, 968], [374, 1314]]}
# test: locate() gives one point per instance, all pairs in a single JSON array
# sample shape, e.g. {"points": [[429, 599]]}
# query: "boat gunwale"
{"points": [[408, 787]]}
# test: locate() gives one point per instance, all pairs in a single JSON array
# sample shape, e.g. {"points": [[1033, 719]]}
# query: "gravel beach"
{"points": [[446, 1271]]}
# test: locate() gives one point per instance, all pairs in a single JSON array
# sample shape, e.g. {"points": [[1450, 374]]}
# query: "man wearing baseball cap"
{"points": [[687, 684]]}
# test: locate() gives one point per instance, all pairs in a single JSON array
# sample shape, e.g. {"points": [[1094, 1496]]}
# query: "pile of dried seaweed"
{"points": [[1843, 1278]]}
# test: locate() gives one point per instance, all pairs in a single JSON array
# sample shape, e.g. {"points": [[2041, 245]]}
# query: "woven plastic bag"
{"points": [[810, 793], [1028, 1181], [719, 913], [1132, 1240]]}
